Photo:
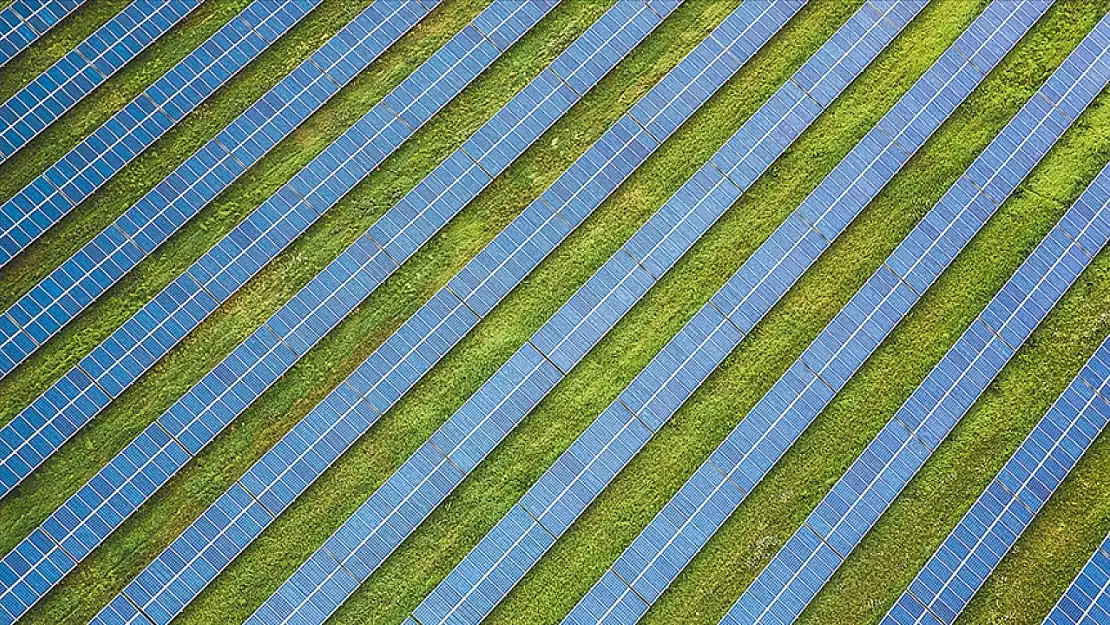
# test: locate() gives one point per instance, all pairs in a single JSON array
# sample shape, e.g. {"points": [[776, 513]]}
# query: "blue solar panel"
{"points": [[666, 237], [869, 486], [372, 533], [48, 307], [283, 474], [85, 68], [533, 234], [602, 46], [618, 275], [525, 535], [519, 535], [1087, 599], [24, 21], [677, 533], [142, 340], [962, 563], [219, 396], [35, 563], [730, 46], [237, 518], [593, 310]]}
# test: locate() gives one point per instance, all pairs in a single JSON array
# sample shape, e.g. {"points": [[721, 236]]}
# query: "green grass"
{"points": [[567, 571], [159, 160], [407, 576], [963, 466], [871, 579], [263, 567], [227, 210], [570, 568], [921, 518], [55, 44], [107, 99], [122, 557], [1026, 585]]}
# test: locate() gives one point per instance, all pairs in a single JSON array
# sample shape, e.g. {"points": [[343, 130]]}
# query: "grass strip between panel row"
{"points": [[864, 589], [93, 215], [100, 105], [103, 573], [1058, 542], [573, 564]]}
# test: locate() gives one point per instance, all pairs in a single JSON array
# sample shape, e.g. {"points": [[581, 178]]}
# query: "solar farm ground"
{"points": [[1022, 590]]}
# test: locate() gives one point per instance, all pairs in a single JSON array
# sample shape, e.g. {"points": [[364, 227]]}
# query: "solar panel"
{"points": [[145, 337], [534, 523], [32, 320], [395, 509], [285, 471], [1087, 599], [145, 225], [146, 463], [962, 563], [85, 68], [94, 161], [252, 367], [546, 511], [23, 22], [168, 206], [855, 503], [686, 522]]}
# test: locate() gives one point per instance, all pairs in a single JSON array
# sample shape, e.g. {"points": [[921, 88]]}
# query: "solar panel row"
{"points": [[941, 591], [150, 333], [94, 161], [53, 549], [178, 198], [286, 586], [85, 68], [519, 540], [315, 442], [990, 528], [394, 511], [396, 508], [24, 21], [548, 509], [1087, 599], [841, 520], [180, 572], [104, 260], [854, 504], [721, 483]]}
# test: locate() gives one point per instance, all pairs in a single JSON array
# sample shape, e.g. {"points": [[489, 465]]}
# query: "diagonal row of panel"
{"points": [[40, 314], [851, 509], [169, 205], [83, 69], [85, 168], [34, 566], [497, 144], [858, 499], [467, 453], [63, 408], [24, 21], [547, 510], [119, 360], [962, 563], [310, 316], [1087, 600], [717, 488], [287, 469]]}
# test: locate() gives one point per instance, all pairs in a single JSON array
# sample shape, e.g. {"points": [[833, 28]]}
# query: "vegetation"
{"points": [[1022, 590]]}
